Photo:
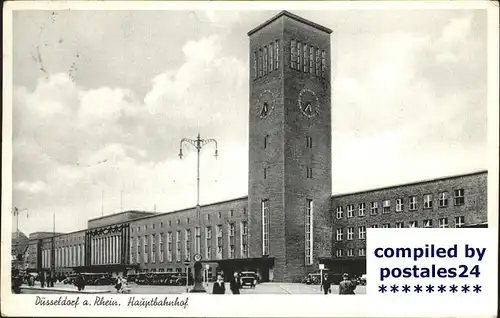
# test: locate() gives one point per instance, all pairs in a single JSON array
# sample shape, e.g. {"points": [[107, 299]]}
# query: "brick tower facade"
{"points": [[290, 146]]}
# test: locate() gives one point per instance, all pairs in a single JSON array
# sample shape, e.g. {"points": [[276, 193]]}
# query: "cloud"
{"points": [[31, 187]]}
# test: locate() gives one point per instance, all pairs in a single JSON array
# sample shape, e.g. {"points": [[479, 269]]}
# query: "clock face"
{"points": [[308, 103], [265, 104], [197, 257]]}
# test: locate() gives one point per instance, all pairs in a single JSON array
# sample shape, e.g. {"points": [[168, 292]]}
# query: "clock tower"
{"points": [[290, 176]]}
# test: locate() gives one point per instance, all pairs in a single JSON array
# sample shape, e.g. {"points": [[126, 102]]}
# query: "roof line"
{"points": [[410, 183], [292, 16]]}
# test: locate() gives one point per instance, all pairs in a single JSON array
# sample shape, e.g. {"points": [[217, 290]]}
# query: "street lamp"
{"points": [[198, 144]]}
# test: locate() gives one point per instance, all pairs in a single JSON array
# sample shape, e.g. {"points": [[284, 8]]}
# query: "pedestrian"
{"points": [[219, 287], [347, 286], [42, 279], [31, 281], [79, 282], [119, 284], [16, 282], [235, 284], [326, 285]]}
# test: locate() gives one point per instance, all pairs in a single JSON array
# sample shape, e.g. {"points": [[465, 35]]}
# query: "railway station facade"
{"points": [[289, 223]]}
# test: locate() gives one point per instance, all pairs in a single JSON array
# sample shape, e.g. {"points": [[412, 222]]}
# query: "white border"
{"points": [[243, 305]]}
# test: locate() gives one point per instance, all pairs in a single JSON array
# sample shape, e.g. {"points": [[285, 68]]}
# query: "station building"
{"points": [[289, 223]]}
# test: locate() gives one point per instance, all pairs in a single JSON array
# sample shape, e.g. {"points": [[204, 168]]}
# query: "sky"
{"points": [[101, 100]]}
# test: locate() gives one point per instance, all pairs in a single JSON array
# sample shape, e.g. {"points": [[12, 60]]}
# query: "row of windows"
{"points": [[442, 223], [188, 221], [266, 60], [443, 202], [140, 245], [309, 172], [307, 58], [350, 252], [308, 141], [64, 256]]}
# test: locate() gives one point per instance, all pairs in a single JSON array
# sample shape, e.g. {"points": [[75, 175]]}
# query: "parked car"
{"points": [[313, 279], [180, 280], [248, 279]]}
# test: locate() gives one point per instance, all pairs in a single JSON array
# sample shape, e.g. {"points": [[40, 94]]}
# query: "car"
{"points": [[248, 279], [313, 279]]}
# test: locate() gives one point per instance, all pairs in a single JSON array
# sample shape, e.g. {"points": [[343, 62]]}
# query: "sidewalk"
{"points": [[60, 290]]}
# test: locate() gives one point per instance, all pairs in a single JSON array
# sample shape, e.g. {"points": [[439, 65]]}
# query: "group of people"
{"points": [[234, 285], [346, 286]]}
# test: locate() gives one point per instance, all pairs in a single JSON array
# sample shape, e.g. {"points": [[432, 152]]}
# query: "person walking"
{"points": [[326, 285], [347, 286], [42, 279], [235, 284], [219, 287], [80, 282]]}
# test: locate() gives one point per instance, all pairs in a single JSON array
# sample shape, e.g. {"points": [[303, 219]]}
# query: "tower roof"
{"points": [[291, 16]]}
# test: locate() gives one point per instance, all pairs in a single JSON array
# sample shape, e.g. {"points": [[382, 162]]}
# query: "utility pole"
{"points": [[198, 144], [102, 203]]}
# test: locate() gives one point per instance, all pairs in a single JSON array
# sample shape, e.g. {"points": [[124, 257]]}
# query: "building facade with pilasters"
{"points": [[289, 223]]}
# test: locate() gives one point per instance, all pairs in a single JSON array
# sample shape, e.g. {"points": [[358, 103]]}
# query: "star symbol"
{"points": [[429, 288], [394, 288], [418, 288], [465, 288], [406, 288], [453, 288], [441, 288], [382, 288], [477, 288]]}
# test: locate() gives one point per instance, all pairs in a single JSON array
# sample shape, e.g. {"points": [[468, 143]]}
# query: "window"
{"points": [[244, 239], [309, 232], [386, 225], [266, 140], [443, 222], [162, 248], [306, 59], [265, 227], [188, 221], [231, 240], [339, 253], [459, 221], [374, 226], [361, 209], [219, 241], [399, 205], [260, 63], [309, 142], [459, 196], [399, 225], [138, 248], [197, 243], [428, 223], [208, 217], [178, 246], [413, 224], [443, 199], [266, 60], [299, 56], [187, 246], [361, 252], [254, 63], [428, 201], [219, 215], [350, 252], [276, 55], [311, 59], [413, 203], [208, 248], [145, 227], [309, 173], [154, 226], [271, 60], [244, 211], [169, 223], [146, 249], [350, 233], [178, 221], [362, 232], [153, 247], [161, 225], [340, 234], [293, 59], [323, 64], [350, 210], [318, 62], [340, 212], [169, 246], [386, 206], [265, 173], [374, 208]]}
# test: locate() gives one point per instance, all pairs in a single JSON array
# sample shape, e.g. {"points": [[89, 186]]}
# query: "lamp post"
{"points": [[198, 144]]}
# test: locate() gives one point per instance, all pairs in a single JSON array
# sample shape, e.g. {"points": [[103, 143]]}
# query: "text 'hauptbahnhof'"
{"points": [[289, 223]]}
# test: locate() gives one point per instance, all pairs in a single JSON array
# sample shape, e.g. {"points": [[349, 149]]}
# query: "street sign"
{"points": [[197, 257], [321, 266]]}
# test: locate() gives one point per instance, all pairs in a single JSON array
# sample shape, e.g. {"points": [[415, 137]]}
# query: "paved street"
{"points": [[264, 288]]}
